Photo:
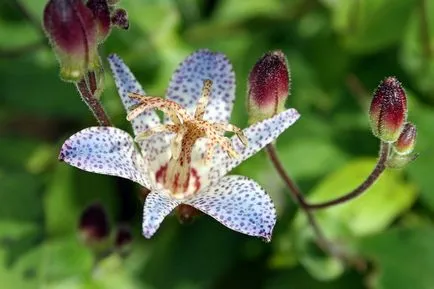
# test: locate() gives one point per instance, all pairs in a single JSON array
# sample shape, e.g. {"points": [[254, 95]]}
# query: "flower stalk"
{"points": [[92, 101]]}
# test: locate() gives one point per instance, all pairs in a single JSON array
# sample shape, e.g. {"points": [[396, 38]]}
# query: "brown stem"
{"points": [[93, 103], [298, 199], [93, 85], [307, 208], [369, 181]]}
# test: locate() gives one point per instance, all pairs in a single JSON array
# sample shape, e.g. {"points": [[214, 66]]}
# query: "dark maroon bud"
{"points": [[388, 112], [123, 237], [71, 28], [186, 213], [120, 18], [113, 2], [94, 225], [268, 86], [101, 12], [407, 140]]}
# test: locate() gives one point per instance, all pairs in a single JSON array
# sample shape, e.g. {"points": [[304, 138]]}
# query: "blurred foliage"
{"points": [[338, 51]]}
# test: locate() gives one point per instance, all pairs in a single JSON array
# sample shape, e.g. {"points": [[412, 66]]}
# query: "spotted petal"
{"points": [[258, 135], [187, 81], [158, 205], [105, 150], [126, 83], [240, 204]]}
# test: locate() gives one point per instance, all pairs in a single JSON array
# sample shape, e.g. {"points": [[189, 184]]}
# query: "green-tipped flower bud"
{"points": [[119, 18], [94, 225], [397, 161], [388, 112], [269, 84], [101, 12], [407, 140], [72, 31]]}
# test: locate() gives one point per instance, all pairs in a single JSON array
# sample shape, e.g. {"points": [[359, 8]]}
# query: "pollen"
{"points": [[187, 129]]}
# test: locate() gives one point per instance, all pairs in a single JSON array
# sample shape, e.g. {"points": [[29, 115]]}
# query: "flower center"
{"points": [[187, 129]]}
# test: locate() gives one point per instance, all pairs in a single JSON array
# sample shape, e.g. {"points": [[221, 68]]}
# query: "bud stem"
{"points": [[298, 198], [369, 181], [92, 102], [307, 208]]}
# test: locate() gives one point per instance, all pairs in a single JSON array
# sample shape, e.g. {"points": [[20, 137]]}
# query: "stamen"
{"points": [[203, 100], [231, 128], [158, 129], [171, 108]]}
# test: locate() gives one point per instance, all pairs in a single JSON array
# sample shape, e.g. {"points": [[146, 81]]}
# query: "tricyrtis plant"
{"points": [[184, 159]]}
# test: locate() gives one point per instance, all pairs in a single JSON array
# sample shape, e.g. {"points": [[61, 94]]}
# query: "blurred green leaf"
{"points": [[417, 52], [18, 35], [403, 258], [20, 194], [370, 25], [59, 201], [419, 170], [370, 213], [56, 260]]}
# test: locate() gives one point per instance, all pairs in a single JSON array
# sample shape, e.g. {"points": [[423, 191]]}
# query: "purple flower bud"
{"points": [[101, 12], [94, 225], [407, 140], [123, 238], [269, 84], [388, 112], [71, 28], [120, 18]]}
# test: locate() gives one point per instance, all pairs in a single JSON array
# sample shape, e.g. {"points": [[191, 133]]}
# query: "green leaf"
{"points": [[420, 170], [370, 213], [20, 195], [58, 259], [59, 201], [417, 51], [403, 258], [370, 25], [375, 209]]}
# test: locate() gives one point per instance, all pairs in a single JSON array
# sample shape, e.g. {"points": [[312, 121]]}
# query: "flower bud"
{"points": [[123, 239], [119, 18], [397, 161], [407, 140], [269, 84], [94, 225], [71, 28], [388, 112], [101, 12], [186, 213]]}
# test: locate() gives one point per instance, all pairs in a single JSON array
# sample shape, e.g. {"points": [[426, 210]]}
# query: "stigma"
{"points": [[187, 129]]}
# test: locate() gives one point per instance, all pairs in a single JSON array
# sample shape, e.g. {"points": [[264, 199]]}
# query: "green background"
{"points": [[338, 51]]}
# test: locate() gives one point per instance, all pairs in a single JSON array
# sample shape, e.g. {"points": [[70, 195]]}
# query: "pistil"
{"points": [[187, 129]]}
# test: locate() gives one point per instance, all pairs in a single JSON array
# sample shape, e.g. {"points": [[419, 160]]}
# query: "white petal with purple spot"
{"points": [[126, 83], [105, 150], [240, 204], [258, 135], [187, 81], [158, 205]]}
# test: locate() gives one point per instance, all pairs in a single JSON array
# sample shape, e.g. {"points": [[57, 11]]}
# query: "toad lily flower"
{"points": [[185, 159]]}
